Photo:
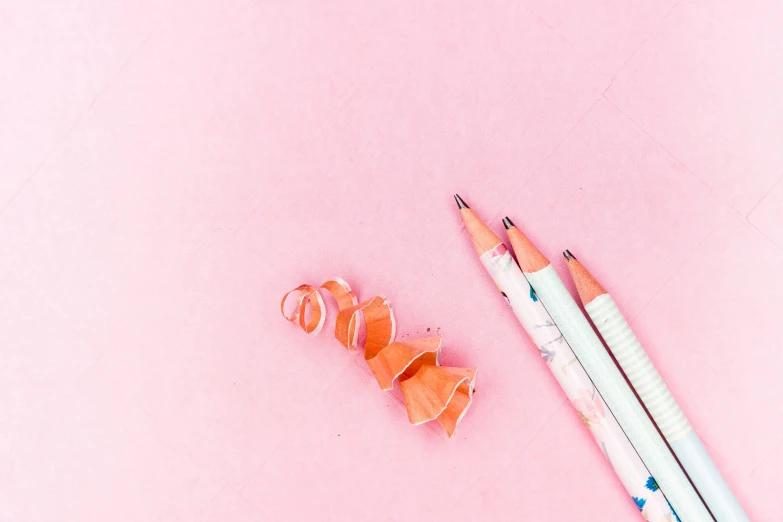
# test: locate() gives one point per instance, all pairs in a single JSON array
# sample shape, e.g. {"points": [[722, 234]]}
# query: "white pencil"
{"points": [[655, 395], [608, 380]]}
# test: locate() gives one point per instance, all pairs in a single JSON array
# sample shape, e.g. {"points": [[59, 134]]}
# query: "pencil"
{"points": [[655, 395], [567, 370], [608, 380]]}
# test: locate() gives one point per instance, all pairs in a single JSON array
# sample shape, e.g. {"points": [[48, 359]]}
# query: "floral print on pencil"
{"points": [[533, 295], [498, 260], [572, 377], [590, 407]]}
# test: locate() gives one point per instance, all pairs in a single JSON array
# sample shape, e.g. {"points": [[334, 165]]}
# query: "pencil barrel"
{"points": [[638, 367], [572, 378], [618, 395], [663, 408]]}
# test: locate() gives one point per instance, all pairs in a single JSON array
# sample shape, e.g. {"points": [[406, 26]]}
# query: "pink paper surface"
{"points": [[171, 169]]}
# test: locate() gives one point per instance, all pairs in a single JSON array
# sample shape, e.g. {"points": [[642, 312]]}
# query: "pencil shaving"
{"points": [[430, 391]]}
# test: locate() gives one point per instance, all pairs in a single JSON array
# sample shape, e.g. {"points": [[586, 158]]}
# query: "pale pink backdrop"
{"points": [[171, 168]]}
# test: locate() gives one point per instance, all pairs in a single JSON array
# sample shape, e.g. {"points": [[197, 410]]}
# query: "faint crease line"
{"points": [[646, 39], [524, 449], [758, 204], [493, 219], [535, 171], [512, 460], [764, 234], [565, 40], [254, 474], [566, 136], [302, 149], [287, 435], [81, 116], [351, 93], [762, 460], [223, 487], [243, 222], [23, 185], [299, 153], [539, 168], [611, 82], [694, 251], [711, 191], [128, 60], [338, 377], [532, 439], [46, 302], [246, 499]]}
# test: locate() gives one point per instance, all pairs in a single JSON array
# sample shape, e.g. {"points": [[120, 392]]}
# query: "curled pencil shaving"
{"points": [[430, 391]]}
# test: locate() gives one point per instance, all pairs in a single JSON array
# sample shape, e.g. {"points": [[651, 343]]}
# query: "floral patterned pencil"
{"points": [[655, 395], [568, 371]]}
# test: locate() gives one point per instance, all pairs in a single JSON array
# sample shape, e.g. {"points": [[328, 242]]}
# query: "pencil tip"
{"points": [[507, 223], [568, 255], [461, 203]]}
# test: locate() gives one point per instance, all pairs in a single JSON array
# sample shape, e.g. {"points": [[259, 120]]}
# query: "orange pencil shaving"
{"points": [[430, 391]]}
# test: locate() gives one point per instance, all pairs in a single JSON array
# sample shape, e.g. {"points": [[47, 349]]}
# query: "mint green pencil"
{"points": [[655, 395]]}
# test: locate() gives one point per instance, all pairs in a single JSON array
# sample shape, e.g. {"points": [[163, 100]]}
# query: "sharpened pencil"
{"points": [[651, 388], [567, 370], [608, 380]]}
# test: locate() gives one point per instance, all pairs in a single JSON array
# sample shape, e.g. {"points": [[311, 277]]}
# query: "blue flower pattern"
{"points": [[640, 502], [651, 484], [548, 355]]}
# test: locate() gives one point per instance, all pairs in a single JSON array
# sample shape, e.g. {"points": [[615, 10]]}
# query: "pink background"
{"points": [[170, 169]]}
